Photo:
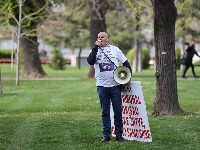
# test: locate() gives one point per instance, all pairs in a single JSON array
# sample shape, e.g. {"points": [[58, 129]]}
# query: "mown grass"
{"points": [[66, 115]]}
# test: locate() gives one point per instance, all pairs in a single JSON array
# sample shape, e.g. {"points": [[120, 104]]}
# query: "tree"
{"points": [[32, 13], [120, 29], [97, 23], [29, 41], [140, 15], [136, 13], [72, 26], [166, 100], [187, 24]]}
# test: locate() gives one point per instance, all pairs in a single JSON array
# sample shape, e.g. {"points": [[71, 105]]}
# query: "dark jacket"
{"points": [[188, 56]]}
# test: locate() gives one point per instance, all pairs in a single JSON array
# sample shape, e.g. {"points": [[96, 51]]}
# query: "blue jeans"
{"points": [[107, 95]]}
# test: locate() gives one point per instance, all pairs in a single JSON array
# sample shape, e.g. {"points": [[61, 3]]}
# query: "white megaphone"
{"points": [[122, 75]]}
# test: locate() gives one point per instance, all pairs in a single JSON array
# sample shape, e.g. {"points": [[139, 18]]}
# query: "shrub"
{"points": [[6, 53], [197, 63], [130, 55], [57, 60], [145, 57]]}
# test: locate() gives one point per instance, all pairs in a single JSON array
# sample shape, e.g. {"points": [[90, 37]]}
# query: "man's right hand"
{"points": [[98, 42]]}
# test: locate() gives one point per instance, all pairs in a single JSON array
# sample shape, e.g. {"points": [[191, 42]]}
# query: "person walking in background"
{"points": [[187, 59], [106, 58]]}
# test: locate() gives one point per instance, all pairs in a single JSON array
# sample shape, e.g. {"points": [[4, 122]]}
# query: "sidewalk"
{"points": [[63, 78]]}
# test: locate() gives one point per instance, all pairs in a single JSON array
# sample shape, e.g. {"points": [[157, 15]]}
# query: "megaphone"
{"points": [[122, 75]]}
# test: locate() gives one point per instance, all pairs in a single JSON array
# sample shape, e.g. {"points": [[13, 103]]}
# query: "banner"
{"points": [[134, 115]]}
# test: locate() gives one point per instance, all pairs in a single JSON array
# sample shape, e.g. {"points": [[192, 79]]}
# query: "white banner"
{"points": [[134, 115]]}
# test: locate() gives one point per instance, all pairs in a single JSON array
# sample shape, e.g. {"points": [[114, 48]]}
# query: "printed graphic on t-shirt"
{"points": [[106, 67]]}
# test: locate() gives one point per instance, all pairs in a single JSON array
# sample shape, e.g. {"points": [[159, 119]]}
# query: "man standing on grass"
{"points": [[106, 58]]}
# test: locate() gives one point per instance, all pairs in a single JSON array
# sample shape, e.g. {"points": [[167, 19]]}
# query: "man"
{"points": [[187, 60], [106, 58]]}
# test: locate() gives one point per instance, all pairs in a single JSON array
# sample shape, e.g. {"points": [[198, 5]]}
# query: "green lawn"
{"points": [[66, 115]]}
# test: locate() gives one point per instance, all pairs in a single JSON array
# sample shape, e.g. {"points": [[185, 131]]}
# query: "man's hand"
{"points": [[98, 42], [128, 83]]}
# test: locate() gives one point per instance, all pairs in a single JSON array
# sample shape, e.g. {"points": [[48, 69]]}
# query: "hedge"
{"points": [[145, 57], [6, 53]]}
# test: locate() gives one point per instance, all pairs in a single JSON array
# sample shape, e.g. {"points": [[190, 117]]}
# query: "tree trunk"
{"points": [[166, 100], [137, 60], [32, 64], [79, 57], [97, 24]]}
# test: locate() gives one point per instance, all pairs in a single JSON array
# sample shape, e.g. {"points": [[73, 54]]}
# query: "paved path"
{"points": [[63, 78]]}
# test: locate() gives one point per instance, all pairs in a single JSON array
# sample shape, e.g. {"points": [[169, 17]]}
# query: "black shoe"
{"points": [[184, 77], [105, 139], [196, 77], [120, 138]]}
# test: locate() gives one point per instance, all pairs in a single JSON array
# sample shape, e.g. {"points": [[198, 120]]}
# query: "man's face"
{"points": [[103, 37]]}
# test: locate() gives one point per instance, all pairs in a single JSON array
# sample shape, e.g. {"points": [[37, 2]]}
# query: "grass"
{"points": [[66, 115]]}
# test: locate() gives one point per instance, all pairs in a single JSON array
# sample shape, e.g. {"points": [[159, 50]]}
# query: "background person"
{"points": [[107, 89], [187, 59]]}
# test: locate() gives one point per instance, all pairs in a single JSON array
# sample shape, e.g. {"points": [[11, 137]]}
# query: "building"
{"points": [[67, 53]]}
